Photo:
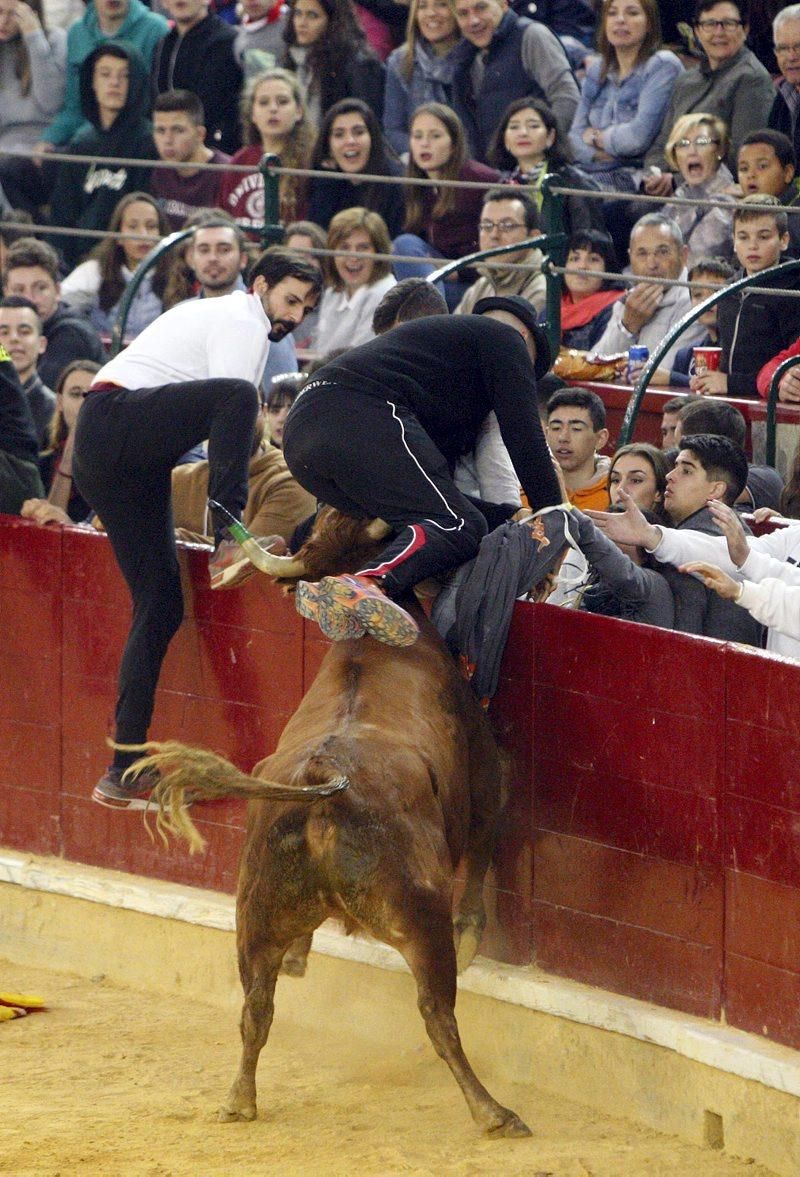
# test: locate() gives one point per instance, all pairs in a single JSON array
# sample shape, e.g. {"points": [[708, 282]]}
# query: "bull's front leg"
{"points": [[259, 980]]}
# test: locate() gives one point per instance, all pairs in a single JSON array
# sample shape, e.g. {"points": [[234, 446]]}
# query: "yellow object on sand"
{"points": [[24, 1001], [7, 1012]]}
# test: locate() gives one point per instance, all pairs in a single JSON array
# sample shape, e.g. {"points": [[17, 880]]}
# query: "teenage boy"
{"points": [[576, 432], [180, 136], [753, 326], [766, 166]]}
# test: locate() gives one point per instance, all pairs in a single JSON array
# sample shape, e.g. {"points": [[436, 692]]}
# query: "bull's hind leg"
{"points": [[296, 956], [259, 991], [430, 955]]}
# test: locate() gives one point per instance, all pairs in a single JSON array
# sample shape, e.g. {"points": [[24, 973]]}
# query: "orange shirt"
{"points": [[593, 497]]}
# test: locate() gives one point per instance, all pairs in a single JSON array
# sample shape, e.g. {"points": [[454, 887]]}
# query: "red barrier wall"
{"points": [[651, 844]]}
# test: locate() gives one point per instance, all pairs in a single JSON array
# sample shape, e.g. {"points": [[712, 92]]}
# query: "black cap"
{"points": [[525, 311]]}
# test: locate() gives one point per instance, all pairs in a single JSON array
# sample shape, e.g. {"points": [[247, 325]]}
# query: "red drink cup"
{"points": [[706, 359]]}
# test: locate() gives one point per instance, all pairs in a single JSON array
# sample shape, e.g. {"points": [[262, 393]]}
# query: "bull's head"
{"points": [[337, 543]]}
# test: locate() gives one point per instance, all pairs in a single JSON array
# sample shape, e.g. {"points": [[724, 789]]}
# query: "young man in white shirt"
{"points": [[192, 374]]}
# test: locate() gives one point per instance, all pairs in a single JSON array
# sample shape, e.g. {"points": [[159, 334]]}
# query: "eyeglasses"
{"points": [[708, 26], [782, 49], [700, 141], [500, 226]]}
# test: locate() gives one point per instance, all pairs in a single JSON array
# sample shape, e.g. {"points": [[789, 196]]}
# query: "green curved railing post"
{"points": [[271, 232], [553, 222], [634, 403], [132, 289], [772, 406]]}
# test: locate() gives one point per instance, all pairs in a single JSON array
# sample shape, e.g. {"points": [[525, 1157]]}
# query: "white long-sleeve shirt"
{"points": [[775, 556], [776, 604], [346, 320], [196, 340]]}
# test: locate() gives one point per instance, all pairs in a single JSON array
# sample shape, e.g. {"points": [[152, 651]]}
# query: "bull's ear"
{"points": [[378, 529]]}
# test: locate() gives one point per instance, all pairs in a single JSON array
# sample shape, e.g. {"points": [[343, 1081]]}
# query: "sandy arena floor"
{"points": [[110, 1082]]}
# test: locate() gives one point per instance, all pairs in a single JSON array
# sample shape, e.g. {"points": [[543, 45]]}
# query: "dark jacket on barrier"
{"points": [[755, 327], [85, 195], [203, 60], [19, 449], [523, 59]]}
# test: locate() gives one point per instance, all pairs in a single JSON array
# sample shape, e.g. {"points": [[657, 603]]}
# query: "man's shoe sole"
{"points": [[342, 612], [140, 802]]}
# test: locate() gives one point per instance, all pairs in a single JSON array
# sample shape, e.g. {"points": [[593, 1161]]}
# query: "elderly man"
{"points": [[513, 57], [785, 108], [648, 311], [507, 216]]}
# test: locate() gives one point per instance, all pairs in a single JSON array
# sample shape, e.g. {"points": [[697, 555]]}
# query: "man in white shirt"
{"points": [[192, 374]]}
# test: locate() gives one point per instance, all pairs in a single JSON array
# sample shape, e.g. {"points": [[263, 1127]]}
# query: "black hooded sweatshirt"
{"points": [[85, 195]]}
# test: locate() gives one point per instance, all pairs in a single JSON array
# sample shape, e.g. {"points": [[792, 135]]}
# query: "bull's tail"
{"points": [[193, 774]]}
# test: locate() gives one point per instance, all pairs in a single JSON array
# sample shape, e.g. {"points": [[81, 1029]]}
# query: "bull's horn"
{"points": [[273, 565], [378, 529]]}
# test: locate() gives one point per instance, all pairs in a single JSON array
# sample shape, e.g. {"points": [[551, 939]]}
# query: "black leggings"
{"points": [[371, 458], [127, 442]]}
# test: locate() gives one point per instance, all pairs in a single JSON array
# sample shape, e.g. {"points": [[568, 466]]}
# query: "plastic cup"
{"points": [[706, 359]]}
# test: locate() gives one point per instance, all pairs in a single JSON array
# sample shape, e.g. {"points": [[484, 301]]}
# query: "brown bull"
{"points": [[399, 754]]}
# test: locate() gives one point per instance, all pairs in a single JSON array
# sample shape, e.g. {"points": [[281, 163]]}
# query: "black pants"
{"points": [[127, 442], [372, 459]]}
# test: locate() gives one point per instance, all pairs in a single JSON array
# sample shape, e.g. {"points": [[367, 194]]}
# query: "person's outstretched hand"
{"points": [[628, 527], [731, 526], [714, 578]]}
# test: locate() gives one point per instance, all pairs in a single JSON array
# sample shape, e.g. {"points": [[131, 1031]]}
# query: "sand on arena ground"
{"points": [[110, 1082]]}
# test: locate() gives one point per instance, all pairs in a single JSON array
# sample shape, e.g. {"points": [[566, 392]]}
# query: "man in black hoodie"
{"points": [[31, 271], [19, 451], [116, 100], [197, 54]]}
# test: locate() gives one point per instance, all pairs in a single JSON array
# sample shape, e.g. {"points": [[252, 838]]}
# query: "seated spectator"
{"points": [[509, 57], [180, 136], [275, 502], [281, 395], [421, 69], [56, 461], [259, 35], [305, 236], [669, 420], [33, 64], [215, 268], [786, 36], [116, 103], [439, 223], [22, 223], [21, 338], [706, 415], [707, 467], [752, 326], [383, 23], [766, 166], [649, 311], [696, 148], [19, 446], [274, 121], [707, 273], [639, 470], [586, 302], [198, 54], [576, 432], [95, 287], [624, 95], [729, 82], [351, 143], [325, 46], [507, 216], [354, 286], [31, 271], [529, 145], [28, 184]]}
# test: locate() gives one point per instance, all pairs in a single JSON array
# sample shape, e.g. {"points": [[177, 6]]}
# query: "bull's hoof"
{"points": [[468, 938], [294, 966], [511, 1126], [237, 1115]]}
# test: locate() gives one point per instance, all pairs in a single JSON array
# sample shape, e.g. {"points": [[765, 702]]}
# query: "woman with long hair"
{"points": [[326, 48], [33, 64], [624, 95], [56, 462], [351, 143], [274, 121], [97, 285], [353, 285], [421, 69], [440, 222], [527, 146]]}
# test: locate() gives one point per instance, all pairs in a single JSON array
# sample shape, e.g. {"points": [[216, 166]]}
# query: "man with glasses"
{"points": [[785, 108], [729, 82], [506, 218], [649, 310]]}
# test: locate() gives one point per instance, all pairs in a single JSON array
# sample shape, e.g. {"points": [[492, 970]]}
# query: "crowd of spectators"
{"points": [[171, 105]]}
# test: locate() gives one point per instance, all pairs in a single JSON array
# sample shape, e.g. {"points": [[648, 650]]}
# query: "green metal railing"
{"points": [[629, 420]]}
